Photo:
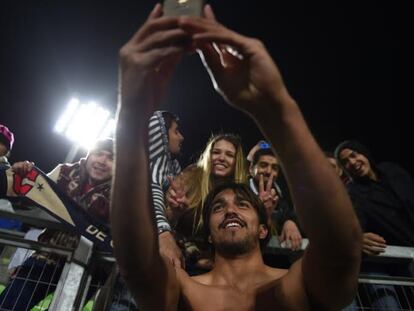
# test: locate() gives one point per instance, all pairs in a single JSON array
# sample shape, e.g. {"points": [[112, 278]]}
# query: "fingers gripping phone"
{"points": [[183, 7]]}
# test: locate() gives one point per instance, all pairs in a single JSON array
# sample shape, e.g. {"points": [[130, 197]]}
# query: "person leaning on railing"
{"points": [[88, 183], [383, 198]]}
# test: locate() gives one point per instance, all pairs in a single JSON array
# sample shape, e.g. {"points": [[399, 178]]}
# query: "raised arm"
{"points": [[146, 64], [249, 80]]}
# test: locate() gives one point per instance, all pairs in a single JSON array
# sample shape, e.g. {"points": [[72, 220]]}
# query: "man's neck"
{"points": [[239, 272]]}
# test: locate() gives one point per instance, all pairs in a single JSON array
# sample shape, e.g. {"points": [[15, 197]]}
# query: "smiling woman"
{"points": [[223, 158]]}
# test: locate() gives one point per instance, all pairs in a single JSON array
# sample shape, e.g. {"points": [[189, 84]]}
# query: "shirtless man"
{"points": [[324, 279]]}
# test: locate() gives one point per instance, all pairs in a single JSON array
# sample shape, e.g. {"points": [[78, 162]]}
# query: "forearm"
{"points": [[159, 208], [322, 205], [134, 230], [173, 217]]}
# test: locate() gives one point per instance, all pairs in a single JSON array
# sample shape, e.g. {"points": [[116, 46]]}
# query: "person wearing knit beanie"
{"points": [[99, 161], [106, 144], [6, 144], [88, 183], [6, 140]]}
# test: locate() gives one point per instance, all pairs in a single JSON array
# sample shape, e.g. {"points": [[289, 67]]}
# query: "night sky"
{"points": [[345, 63]]}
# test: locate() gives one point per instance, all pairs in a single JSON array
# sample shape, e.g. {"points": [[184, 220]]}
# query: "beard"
{"points": [[233, 248]]}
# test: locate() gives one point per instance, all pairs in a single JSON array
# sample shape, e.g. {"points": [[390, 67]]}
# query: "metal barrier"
{"points": [[373, 287], [399, 288], [43, 267], [76, 277]]}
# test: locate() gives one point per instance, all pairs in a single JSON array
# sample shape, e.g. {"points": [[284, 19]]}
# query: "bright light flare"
{"points": [[85, 123], [65, 118]]}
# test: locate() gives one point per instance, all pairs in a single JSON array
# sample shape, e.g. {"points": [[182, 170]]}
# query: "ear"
{"points": [[263, 232], [209, 239]]}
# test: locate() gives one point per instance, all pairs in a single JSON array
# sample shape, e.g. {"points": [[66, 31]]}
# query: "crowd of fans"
{"points": [[381, 194]]}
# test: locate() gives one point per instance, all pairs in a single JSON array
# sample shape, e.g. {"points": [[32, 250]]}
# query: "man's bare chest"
{"points": [[205, 298]]}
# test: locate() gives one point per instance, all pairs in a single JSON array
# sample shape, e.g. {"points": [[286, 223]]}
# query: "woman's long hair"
{"points": [[202, 180]]}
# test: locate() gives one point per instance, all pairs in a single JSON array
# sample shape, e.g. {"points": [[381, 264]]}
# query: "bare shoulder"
{"points": [[189, 281], [204, 278], [276, 273], [292, 286], [195, 291]]}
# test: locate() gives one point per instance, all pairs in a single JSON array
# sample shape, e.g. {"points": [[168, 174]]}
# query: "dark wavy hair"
{"points": [[169, 117], [244, 191]]}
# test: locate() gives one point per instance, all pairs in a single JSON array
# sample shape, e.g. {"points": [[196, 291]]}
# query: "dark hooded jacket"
{"points": [[71, 178], [386, 206]]}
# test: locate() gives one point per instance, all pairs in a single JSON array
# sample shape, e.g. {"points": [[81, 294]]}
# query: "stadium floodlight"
{"points": [[67, 115], [85, 123]]}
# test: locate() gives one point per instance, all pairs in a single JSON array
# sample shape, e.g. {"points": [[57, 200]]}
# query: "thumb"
{"points": [[208, 12], [212, 59]]}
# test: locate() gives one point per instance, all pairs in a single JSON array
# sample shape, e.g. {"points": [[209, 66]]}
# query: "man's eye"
{"points": [[244, 204], [217, 207]]}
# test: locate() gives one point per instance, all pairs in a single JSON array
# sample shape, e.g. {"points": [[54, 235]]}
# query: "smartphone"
{"points": [[183, 7]]}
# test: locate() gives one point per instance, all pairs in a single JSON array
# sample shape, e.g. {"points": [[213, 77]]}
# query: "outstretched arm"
{"points": [[245, 74], [146, 62]]}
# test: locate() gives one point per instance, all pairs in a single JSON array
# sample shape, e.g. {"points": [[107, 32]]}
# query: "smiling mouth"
{"points": [[99, 170], [232, 224], [358, 168]]}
